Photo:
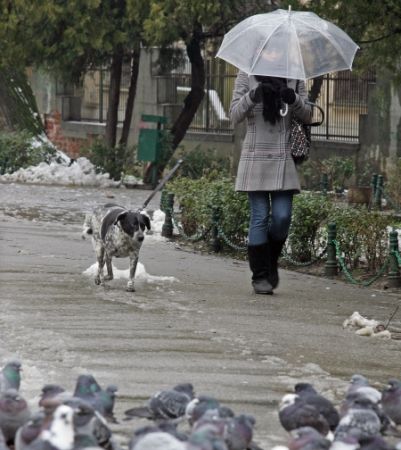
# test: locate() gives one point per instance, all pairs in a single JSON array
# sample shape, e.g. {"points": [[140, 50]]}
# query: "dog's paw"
{"points": [[130, 287], [98, 281], [108, 277]]}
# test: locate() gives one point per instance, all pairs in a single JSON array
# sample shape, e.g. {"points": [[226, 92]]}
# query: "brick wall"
{"points": [[70, 145]]}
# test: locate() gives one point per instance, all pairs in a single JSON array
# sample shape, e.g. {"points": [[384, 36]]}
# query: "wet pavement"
{"points": [[204, 326]]}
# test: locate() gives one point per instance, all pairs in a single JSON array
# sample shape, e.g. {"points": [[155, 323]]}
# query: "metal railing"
{"points": [[343, 97]]}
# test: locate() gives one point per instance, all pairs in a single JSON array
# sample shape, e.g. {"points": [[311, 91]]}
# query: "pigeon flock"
{"points": [[178, 419]]}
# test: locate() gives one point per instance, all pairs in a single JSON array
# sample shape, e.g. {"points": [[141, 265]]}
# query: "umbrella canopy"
{"points": [[288, 44]]}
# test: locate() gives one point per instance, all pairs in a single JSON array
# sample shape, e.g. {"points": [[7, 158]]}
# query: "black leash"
{"points": [[161, 184]]}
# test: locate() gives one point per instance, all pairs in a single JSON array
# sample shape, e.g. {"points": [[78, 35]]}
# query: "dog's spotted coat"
{"points": [[116, 232]]}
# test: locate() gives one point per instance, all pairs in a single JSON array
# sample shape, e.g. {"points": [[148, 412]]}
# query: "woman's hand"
{"points": [[256, 94], [288, 95]]}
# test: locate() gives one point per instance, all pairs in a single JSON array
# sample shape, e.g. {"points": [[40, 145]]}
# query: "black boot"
{"points": [[259, 264], [274, 252]]}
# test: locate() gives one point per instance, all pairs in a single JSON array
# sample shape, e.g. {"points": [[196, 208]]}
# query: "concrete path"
{"points": [[206, 327]]}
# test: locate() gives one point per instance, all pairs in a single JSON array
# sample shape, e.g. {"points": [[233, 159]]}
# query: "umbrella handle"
{"points": [[284, 112]]}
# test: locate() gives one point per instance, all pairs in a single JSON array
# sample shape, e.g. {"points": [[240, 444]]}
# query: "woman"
{"points": [[266, 169]]}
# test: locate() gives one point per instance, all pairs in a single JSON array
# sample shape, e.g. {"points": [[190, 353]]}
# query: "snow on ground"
{"points": [[141, 274], [81, 172]]}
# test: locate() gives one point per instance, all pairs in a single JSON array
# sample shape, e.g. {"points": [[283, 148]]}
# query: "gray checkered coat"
{"points": [[266, 163]]}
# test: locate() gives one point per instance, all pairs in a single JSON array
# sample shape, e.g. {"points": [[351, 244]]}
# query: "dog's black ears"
{"points": [[120, 216], [147, 221]]}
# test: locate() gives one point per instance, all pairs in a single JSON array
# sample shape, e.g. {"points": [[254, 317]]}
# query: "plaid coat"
{"points": [[266, 163]]}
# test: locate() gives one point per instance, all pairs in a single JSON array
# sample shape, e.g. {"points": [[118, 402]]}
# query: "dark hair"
{"points": [[272, 102]]}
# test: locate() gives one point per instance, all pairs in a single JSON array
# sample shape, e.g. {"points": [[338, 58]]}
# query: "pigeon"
{"points": [[60, 435], [360, 384], [108, 397], [391, 400], [14, 412], [89, 390], [3, 445], [308, 393], [165, 427], [374, 443], [360, 422], [28, 433], [10, 375], [294, 413], [165, 405], [206, 437], [198, 406], [307, 438], [239, 431], [358, 399], [158, 440], [345, 442]]}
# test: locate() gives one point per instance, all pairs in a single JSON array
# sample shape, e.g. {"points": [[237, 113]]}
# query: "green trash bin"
{"points": [[150, 142]]}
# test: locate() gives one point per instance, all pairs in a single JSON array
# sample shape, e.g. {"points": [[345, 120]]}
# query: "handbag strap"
{"points": [[314, 105]]}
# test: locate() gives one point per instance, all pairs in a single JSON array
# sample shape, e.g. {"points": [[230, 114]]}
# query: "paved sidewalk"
{"points": [[207, 327]]}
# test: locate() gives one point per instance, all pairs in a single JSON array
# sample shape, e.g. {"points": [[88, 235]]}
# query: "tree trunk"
{"points": [[191, 102], [131, 96], [315, 88], [114, 98]]}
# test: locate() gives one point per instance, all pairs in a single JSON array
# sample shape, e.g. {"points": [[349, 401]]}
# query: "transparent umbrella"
{"points": [[288, 44]]}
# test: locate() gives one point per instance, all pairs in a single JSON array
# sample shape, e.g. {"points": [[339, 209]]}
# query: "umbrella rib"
{"points": [[263, 46], [334, 43], [235, 37], [299, 50]]}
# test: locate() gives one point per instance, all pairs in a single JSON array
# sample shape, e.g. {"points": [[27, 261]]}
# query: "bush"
{"points": [[310, 213], [338, 169], [197, 198], [21, 149], [362, 236], [198, 163], [107, 159]]}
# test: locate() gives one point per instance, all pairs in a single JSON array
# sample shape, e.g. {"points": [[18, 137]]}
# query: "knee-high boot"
{"points": [[259, 265], [274, 251]]}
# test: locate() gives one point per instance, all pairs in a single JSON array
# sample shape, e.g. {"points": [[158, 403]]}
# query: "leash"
{"points": [[161, 184]]}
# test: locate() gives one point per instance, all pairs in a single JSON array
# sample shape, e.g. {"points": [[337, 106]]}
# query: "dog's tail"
{"points": [[87, 229]]}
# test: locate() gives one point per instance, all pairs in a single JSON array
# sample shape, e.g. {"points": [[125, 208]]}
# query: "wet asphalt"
{"points": [[204, 327]]}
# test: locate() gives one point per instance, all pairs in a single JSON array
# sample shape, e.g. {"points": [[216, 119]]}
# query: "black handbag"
{"points": [[301, 135]]}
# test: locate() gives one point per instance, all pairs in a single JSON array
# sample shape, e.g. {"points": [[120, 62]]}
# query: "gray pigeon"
{"points": [[198, 406], [89, 390], [359, 400], [346, 442], [391, 400], [165, 427], [14, 412], [308, 393], [360, 384], [359, 422], [158, 440], [165, 405], [374, 443], [307, 438], [10, 375], [239, 431], [28, 433], [294, 413], [206, 437]]}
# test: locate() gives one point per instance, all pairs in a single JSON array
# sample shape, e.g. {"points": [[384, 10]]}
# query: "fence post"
{"points": [[394, 278], [163, 200], [331, 266], [378, 192], [167, 228], [325, 183], [216, 244]]}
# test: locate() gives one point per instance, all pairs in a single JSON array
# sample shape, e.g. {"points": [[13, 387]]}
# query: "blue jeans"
{"points": [[270, 216]]}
